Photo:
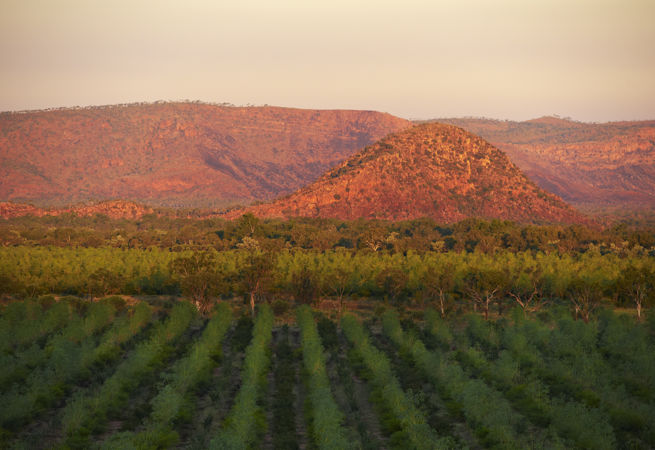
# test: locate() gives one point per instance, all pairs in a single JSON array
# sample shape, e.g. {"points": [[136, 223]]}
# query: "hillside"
{"points": [[176, 154], [592, 165], [431, 170]]}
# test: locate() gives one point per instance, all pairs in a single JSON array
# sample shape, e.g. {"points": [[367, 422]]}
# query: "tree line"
{"points": [[451, 281]]}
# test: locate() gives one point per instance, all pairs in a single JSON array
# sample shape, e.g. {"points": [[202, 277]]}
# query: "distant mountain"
{"points": [[431, 170], [592, 165], [176, 154]]}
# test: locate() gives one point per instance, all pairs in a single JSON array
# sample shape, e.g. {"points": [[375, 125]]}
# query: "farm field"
{"points": [[158, 374]]}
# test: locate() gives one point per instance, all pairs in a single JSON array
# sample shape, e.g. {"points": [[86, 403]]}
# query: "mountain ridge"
{"points": [[176, 154]]}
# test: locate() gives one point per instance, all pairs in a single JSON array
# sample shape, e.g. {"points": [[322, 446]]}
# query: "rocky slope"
{"points": [[592, 165], [431, 170], [176, 154]]}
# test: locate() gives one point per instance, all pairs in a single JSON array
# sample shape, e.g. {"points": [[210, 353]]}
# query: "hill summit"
{"points": [[430, 170]]}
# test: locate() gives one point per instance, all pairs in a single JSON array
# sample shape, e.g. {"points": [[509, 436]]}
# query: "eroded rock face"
{"points": [[431, 170], [594, 165], [176, 154]]}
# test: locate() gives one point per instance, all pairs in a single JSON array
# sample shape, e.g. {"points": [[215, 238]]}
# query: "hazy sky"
{"points": [[593, 60]]}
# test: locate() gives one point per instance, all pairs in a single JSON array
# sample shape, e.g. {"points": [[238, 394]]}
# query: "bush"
{"points": [[280, 307], [46, 301], [116, 301]]}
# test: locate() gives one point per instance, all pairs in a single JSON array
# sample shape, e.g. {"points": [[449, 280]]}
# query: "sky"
{"points": [[591, 60]]}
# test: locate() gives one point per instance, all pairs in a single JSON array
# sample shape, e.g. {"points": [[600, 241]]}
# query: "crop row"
{"points": [[75, 331], [409, 420], [583, 426], [23, 323], [86, 412], [69, 362], [326, 419], [585, 390], [244, 424], [173, 401], [497, 424]]}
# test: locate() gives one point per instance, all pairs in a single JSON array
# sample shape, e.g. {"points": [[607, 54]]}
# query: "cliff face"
{"points": [[593, 165], [176, 154], [431, 170]]}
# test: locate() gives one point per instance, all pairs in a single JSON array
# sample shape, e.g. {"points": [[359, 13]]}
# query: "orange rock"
{"points": [[176, 154], [433, 170], [587, 164]]}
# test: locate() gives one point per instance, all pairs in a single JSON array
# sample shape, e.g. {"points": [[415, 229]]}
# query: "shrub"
{"points": [[280, 307]]}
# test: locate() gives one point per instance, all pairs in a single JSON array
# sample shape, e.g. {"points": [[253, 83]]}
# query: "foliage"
{"points": [[243, 426], [187, 373], [409, 418], [69, 362], [199, 278], [543, 380], [304, 286], [86, 412], [327, 428]]}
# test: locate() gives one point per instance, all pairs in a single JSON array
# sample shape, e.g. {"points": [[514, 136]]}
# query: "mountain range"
{"points": [[329, 163], [587, 164], [176, 154]]}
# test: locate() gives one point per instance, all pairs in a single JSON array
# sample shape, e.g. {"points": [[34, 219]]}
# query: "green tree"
{"points": [[248, 225], [525, 287], [585, 292], [484, 286], [199, 278], [104, 282], [304, 286], [438, 284], [254, 275], [340, 282], [637, 282], [393, 283]]}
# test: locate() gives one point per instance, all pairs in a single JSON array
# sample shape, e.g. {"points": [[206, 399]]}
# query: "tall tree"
{"points": [[526, 289], [103, 282], [339, 282], [255, 275], [304, 285], [638, 283], [393, 282], [585, 292], [199, 278], [438, 284], [484, 286]]}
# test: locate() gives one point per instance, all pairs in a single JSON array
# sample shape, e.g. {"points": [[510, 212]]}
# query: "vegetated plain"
{"points": [[179, 333]]}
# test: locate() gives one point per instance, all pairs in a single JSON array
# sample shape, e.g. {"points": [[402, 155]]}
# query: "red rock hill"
{"points": [[176, 154], [431, 170]]}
